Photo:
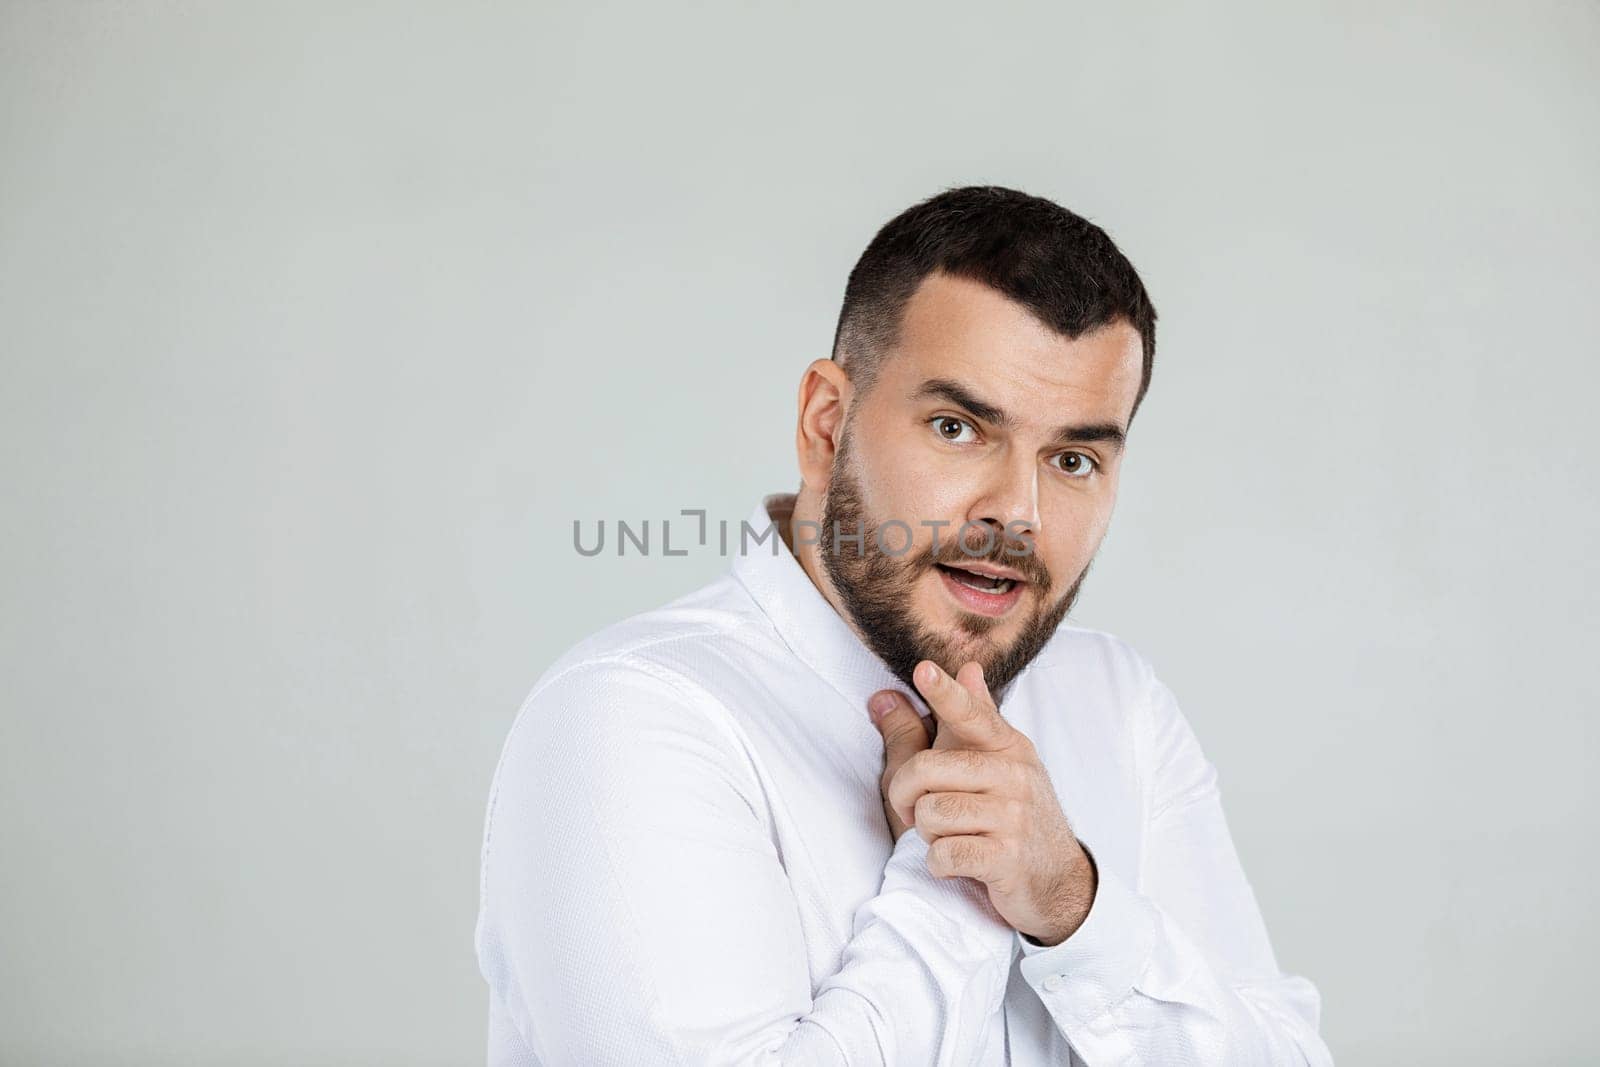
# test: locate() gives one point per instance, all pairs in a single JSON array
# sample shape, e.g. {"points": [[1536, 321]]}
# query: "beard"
{"points": [[878, 590]]}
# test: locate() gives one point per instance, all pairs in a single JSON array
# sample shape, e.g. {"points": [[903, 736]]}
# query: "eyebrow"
{"points": [[1109, 434]]}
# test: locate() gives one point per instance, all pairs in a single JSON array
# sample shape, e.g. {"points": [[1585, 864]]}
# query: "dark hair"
{"points": [[1058, 265]]}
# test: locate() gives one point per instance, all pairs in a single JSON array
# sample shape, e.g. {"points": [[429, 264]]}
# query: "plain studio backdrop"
{"points": [[321, 324]]}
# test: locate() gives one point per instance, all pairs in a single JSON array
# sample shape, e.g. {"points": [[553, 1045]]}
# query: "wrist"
{"points": [[1073, 902]]}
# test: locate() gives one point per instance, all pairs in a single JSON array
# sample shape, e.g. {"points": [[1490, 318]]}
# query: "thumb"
{"points": [[905, 733]]}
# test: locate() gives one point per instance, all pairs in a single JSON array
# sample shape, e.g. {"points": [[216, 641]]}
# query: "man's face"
{"points": [[996, 444]]}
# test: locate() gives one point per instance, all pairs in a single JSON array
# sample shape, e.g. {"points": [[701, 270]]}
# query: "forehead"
{"points": [[964, 330]]}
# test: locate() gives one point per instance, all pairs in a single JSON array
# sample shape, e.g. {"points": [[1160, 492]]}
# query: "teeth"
{"points": [[982, 582]]}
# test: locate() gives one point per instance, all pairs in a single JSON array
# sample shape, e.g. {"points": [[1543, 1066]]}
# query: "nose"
{"points": [[1009, 503]]}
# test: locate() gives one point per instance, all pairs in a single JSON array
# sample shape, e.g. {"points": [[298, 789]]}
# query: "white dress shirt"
{"points": [[686, 861]]}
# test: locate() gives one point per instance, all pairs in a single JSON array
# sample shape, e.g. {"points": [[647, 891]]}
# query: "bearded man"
{"points": [[867, 798]]}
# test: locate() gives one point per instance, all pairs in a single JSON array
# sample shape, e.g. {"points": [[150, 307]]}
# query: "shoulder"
{"points": [[1145, 702], [1107, 676], [638, 688], [1083, 654], [672, 644], [1098, 676]]}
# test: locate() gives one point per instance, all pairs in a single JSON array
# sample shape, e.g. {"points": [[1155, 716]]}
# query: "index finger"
{"points": [[963, 706]]}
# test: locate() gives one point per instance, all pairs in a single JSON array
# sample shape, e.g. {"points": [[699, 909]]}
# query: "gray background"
{"points": [[321, 323]]}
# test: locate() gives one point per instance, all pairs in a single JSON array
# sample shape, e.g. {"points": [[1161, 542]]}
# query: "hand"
{"points": [[979, 795], [905, 733]]}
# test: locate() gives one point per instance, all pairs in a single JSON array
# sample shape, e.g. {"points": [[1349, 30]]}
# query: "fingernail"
{"points": [[880, 704], [930, 673]]}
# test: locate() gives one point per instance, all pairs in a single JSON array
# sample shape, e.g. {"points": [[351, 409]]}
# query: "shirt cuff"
{"points": [[1095, 969]]}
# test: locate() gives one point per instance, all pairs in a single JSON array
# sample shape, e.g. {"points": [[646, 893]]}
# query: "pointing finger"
{"points": [[963, 705]]}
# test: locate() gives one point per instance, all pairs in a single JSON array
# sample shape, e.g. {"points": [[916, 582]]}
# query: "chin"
{"points": [[953, 626]]}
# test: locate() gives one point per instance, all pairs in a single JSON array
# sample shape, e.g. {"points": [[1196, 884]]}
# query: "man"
{"points": [[686, 857]]}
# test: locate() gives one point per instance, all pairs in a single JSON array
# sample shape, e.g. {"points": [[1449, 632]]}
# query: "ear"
{"points": [[825, 393]]}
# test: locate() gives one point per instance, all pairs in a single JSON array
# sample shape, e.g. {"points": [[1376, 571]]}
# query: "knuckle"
{"points": [[909, 771], [905, 733], [948, 805], [1015, 812], [889, 784], [969, 759]]}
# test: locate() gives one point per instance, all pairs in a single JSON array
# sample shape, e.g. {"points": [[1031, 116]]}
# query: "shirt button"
{"points": [[1052, 983]]}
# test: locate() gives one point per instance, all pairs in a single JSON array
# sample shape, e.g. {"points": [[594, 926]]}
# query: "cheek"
{"points": [[903, 480], [1074, 530]]}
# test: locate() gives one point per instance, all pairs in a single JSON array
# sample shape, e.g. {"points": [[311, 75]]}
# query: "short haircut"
{"points": [[1060, 266]]}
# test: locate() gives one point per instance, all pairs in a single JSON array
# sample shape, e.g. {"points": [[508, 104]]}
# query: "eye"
{"points": [[949, 428], [1076, 464]]}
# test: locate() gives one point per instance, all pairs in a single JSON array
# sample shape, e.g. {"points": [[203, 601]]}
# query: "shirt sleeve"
{"points": [[635, 909], [1177, 967]]}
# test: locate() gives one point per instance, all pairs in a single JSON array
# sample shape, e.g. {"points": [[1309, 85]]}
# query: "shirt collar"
{"points": [[802, 616]]}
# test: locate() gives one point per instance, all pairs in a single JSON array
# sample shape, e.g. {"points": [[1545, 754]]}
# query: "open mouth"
{"points": [[984, 583], [979, 592]]}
